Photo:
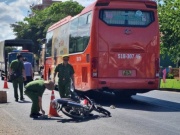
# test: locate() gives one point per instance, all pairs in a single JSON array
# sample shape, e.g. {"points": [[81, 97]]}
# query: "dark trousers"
{"points": [[35, 101], [18, 82], [64, 89], [28, 79]]}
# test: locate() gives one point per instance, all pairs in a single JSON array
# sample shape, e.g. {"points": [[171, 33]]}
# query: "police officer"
{"points": [[17, 65], [66, 74], [34, 90]]}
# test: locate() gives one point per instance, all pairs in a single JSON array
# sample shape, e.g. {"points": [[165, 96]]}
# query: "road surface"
{"points": [[152, 113]]}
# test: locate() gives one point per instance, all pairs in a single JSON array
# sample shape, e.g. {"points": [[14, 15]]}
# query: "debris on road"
{"points": [[112, 107]]}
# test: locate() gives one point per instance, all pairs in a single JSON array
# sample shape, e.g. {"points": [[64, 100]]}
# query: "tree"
{"points": [[169, 17], [35, 26], [9, 49]]}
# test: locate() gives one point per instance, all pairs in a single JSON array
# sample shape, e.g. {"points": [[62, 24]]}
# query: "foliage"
{"points": [[35, 26], [170, 84], [169, 11], [170, 76], [8, 49]]}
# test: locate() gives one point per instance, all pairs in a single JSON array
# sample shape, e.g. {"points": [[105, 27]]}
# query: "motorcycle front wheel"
{"points": [[99, 109], [68, 111]]}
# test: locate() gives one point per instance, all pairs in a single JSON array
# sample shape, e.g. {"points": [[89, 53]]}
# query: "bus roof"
{"points": [[123, 0], [68, 18], [90, 7], [59, 23]]}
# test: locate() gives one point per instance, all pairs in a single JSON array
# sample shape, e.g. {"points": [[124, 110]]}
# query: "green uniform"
{"points": [[34, 90], [17, 66], [64, 74]]}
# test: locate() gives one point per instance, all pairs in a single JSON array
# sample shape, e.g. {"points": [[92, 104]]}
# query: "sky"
{"points": [[12, 11]]}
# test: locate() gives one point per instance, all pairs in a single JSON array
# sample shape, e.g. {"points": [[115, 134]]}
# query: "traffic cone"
{"points": [[52, 111], [5, 83]]}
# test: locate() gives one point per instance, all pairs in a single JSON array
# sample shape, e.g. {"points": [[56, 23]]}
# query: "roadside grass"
{"points": [[170, 84]]}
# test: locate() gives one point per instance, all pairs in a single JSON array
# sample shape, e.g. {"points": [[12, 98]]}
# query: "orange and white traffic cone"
{"points": [[52, 111], [5, 83]]}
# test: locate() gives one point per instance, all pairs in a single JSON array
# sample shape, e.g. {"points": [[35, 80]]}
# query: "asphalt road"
{"points": [[153, 113]]}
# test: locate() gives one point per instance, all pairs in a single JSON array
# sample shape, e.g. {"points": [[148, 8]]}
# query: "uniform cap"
{"points": [[66, 55]]}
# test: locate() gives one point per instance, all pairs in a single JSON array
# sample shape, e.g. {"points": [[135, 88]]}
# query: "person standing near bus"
{"points": [[29, 71], [165, 72], [66, 74], [17, 65]]}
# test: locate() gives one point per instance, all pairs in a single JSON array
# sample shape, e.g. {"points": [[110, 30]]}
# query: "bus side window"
{"points": [[79, 33], [80, 45], [73, 35], [72, 45], [49, 45], [89, 19], [86, 41]]}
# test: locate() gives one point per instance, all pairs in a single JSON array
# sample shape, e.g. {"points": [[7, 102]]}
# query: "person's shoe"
{"points": [[22, 99], [90, 115], [33, 115], [38, 114], [16, 100]]}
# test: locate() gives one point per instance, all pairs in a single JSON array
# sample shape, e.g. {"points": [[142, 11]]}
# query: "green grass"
{"points": [[170, 84]]}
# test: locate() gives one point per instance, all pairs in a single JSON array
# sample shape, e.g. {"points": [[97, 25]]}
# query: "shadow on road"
{"points": [[24, 101], [138, 102], [154, 104], [47, 119], [70, 120], [94, 117]]}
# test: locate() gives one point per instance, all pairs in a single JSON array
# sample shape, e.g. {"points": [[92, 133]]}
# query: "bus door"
{"points": [[128, 43]]}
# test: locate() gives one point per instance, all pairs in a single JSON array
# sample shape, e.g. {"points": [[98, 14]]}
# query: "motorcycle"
{"points": [[78, 107]]}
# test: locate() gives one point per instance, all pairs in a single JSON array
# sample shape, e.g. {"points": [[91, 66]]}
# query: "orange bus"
{"points": [[113, 45]]}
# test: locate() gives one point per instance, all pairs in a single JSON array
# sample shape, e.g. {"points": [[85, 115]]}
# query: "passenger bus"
{"points": [[114, 46]]}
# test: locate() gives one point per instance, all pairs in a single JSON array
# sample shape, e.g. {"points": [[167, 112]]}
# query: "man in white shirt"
{"points": [[29, 71]]}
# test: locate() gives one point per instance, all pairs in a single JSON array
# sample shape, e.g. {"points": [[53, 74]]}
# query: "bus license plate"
{"points": [[127, 72]]}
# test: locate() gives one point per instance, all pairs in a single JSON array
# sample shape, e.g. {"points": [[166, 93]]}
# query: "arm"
{"points": [[55, 72], [10, 68], [24, 74], [54, 76], [32, 72], [9, 73], [40, 105], [72, 76]]}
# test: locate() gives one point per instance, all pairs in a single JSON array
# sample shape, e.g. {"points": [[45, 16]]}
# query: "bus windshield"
{"points": [[28, 56], [127, 17]]}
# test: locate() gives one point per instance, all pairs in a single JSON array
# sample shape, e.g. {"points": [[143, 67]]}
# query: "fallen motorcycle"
{"points": [[79, 107]]}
